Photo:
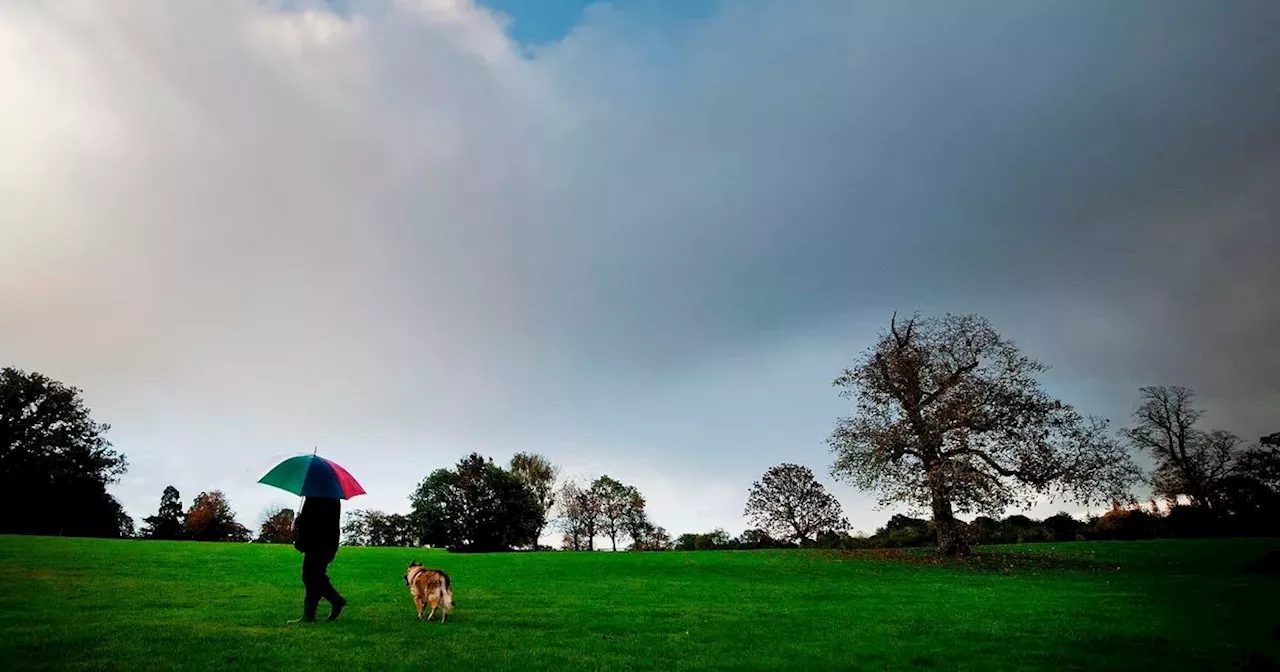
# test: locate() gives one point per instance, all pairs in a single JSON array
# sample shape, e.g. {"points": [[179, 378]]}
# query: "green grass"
{"points": [[79, 604]]}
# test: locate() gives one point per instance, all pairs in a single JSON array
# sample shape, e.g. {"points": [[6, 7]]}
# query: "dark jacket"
{"points": [[317, 527]]}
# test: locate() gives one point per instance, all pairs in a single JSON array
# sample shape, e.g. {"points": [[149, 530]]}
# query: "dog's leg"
{"points": [[417, 601], [433, 613]]}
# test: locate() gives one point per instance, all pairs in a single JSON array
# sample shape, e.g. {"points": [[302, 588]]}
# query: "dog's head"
{"points": [[409, 571]]}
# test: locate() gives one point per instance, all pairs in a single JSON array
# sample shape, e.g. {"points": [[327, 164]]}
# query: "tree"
{"points": [[478, 506], [1063, 526], [355, 528], [789, 503], [1261, 462], [539, 475], [760, 539], [644, 534], [55, 461], [714, 540], [393, 529], [210, 518], [124, 523], [1188, 461], [168, 521], [277, 528], [649, 537], [580, 511], [617, 502], [949, 416], [375, 528]]}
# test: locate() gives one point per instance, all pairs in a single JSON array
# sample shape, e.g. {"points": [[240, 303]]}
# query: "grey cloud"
{"points": [[871, 155], [388, 222]]}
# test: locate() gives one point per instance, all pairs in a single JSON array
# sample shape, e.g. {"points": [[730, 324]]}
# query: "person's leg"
{"points": [[336, 601], [313, 580]]}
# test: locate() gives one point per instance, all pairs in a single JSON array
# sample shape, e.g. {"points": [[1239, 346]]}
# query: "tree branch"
{"points": [[991, 462], [951, 381]]}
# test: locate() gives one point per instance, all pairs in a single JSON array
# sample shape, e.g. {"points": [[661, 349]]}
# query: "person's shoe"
{"points": [[338, 603], [308, 613]]}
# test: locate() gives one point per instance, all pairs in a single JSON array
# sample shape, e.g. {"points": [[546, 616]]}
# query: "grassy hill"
{"points": [[81, 603]]}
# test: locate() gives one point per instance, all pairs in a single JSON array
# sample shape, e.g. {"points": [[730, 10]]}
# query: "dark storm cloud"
{"points": [[876, 156]]}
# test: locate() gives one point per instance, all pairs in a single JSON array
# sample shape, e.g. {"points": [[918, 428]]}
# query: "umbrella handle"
{"points": [[315, 450]]}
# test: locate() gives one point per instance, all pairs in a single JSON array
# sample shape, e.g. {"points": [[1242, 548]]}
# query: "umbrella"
{"points": [[313, 476]]}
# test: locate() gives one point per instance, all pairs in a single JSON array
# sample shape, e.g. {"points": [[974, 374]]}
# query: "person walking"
{"points": [[316, 531]]}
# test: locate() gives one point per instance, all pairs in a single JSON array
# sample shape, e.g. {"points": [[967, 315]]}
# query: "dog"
{"points": [[429, 587]]}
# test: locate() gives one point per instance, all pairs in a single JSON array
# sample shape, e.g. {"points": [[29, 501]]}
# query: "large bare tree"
{"points": [[949, 417], [1188, 460], [789, 503]]}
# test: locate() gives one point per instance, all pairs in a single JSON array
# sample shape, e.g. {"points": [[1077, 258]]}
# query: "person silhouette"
{"points": [[316, 532]]}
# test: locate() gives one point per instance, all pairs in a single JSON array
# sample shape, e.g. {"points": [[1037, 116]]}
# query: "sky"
{"points": [[639, 238]]}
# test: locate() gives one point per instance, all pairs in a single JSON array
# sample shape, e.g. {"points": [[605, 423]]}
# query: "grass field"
{"points": [[79, 604]]}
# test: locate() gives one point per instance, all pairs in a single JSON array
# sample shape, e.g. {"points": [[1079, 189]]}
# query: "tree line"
{"points": [[948, 419], [481, 506]]}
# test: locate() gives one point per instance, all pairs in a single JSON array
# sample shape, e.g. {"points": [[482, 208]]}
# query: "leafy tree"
{"points": [[644, 534], [1188, 460], [618, 503], [715, 540], [1126, 523], [168, 521], [437, 509], [210, 518], [277, 528], [985, 530], [1021, 529], [1261, 462], [652, 538], [789, 503], [903, 531], [124, 523], [1019, 522], [393, 529], [758, 539], [832, 539], [1245, 496], [478, 506], [539, 475], [375, 528], [580, 511], [55, 462], [355, 527], [949, 416], [1063, 526]]}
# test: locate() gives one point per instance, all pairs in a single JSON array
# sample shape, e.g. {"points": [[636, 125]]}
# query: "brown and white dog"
{"points": [[429, 587]]}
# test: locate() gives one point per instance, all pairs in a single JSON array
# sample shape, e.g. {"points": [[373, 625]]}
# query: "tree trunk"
{"points": [[951, 539]]}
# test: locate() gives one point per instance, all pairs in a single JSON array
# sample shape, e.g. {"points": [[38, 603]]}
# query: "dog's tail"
{"points": [[447, 592]]}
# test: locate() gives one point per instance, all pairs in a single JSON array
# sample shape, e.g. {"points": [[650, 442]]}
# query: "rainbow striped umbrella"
{"points": [[313, 476]]}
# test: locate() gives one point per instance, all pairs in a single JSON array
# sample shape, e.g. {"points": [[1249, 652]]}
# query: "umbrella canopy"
{"points": [[313, 476]]}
